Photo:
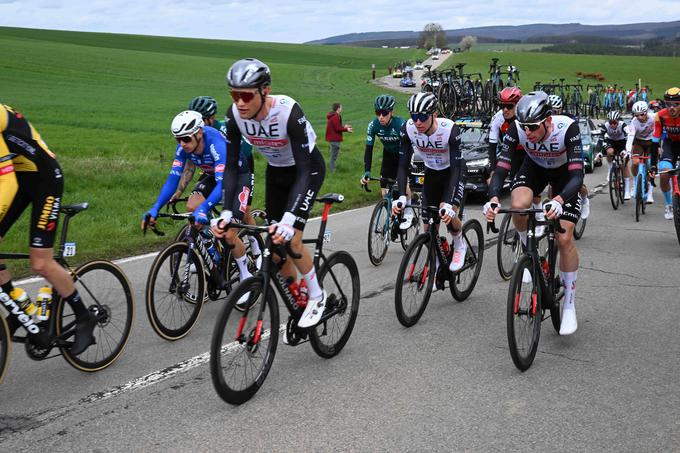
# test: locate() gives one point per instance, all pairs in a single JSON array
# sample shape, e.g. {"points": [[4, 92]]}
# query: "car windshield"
{"points": [[473, 135]]}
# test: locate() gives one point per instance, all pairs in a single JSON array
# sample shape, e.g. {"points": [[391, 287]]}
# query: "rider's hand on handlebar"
{"points": [[490, 209], [553, 209], [398, 205], [446, 213], [218, 225], [284, 230], [148, 220], [366, 177]]}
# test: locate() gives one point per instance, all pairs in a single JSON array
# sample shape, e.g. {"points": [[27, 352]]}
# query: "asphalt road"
{"points": [[447, 383], [393, 84]]}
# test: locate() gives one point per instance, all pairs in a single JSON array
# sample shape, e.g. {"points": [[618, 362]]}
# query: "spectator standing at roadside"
{"points": [[334, 131]]}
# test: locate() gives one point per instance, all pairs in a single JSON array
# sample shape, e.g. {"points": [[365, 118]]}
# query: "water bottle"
{"points": [[445, 246], [304, 294], [293, 288], [44, 302], [25, 302], [210, 245]]}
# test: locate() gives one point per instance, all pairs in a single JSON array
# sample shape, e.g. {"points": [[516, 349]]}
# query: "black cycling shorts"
{"points": [[205, 185], [618, 145], [389, 167], [44, 191], [537, 178], [435, 186], [242, 196], [670, 151]]}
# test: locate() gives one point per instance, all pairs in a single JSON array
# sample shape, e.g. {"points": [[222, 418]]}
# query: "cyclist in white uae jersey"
{"points": [[553, 145], [277, 127], [639, 141], [437, 141], [615, 142]]}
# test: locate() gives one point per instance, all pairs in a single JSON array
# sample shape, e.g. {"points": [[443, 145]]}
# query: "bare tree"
{"points": [[432, 36], [467, 42]]}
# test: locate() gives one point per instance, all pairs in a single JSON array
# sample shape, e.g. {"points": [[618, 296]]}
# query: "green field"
{"points": [[104, 103], [505, 47]]}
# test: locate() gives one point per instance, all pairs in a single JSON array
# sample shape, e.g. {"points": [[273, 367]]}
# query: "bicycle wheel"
{"points": [[174, 302], [182, 233], [231, 271], [415, 279], [5, 348], [676, 215], [105, 291], [378, 233], [622, 186], [614, 183], [339, 277], [639, 202], [523, 315], [508, 248], [580, 228], [463, 282], [242, 349], [406, 236]]}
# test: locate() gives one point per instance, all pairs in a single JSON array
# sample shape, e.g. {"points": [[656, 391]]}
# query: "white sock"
{"points": [[457, 239], [523, 237], [254, 246], [243, 268], [312, 284], [611, 164], [569, 288], [626, 184]]}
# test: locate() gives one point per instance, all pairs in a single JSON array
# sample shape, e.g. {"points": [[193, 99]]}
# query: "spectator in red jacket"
{"points": [[334, 131]]}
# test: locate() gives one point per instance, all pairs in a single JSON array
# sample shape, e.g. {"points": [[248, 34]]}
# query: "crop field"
{"points": [[104, 103], [504, 47]]}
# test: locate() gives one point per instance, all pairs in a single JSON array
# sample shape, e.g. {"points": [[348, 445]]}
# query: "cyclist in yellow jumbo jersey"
{"points": [[30, 175]]}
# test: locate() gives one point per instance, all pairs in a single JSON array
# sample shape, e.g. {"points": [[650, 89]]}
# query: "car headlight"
{"points": [[478, 162]]}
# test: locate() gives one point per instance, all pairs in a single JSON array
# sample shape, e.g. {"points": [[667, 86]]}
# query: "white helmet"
{"points": [[555, 101], [186, 123], [640, 107], [614, 115], [422, 103]]}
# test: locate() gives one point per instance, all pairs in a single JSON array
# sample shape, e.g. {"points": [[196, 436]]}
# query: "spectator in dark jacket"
{"points": [[334, 131]]}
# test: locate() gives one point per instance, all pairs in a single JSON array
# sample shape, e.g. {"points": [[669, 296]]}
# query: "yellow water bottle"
{"points": [[25, 302], [44, 302]]}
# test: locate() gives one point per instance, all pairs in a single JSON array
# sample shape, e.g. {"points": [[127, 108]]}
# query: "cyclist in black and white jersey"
{"points": [[553, 146], [639, 142], [277, 127], [615, 143], [437, 141]]}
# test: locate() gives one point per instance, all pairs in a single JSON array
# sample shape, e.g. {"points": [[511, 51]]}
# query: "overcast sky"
{"points": [[305, 20]]}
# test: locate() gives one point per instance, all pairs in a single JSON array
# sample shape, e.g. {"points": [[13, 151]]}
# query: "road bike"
{"points": [[675, 189], [426, 263], [105, 291], [532, 300], [616, 184], [383, 228], [189, 272], [244, 339], [641, 187]]}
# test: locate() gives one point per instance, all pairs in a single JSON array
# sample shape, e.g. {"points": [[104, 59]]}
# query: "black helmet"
{"points": [[534, 107], [422, 103], [249, 73], [384, 102], [672, 94], [205, 105]]}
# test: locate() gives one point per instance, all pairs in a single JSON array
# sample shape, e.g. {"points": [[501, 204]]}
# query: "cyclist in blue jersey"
{"points": [[387, 127], [206, 148]]}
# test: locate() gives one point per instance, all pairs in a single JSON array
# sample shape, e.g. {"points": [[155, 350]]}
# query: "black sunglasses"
{"points": [[185, 139], [382, 112], [531, 127], [507, 106], [422, 117]]}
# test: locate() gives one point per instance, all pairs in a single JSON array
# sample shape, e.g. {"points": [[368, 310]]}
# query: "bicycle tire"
{"points": [[406, 236], [172, 315], [508, 248], [5, 348], [638, 199], [523, 321], [379, 231], [676, 215], [580, 227], [182, 233], [614, 183], [104, 289], [463, 282], [622, 187], [329, 337], [421, 279], [231, 346]]}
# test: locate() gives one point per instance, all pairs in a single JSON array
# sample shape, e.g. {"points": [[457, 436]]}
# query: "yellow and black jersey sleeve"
{"points": [[22, 143]]}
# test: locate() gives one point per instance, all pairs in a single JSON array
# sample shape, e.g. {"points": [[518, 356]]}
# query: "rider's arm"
{"points": [[185, 179], [219, 157], [302, 154], [171, 183], [630, 130], [370, 141], [453, 195], [8, 179], [405, 153], [658, 129], [572, 140], [230, 176], [504, 163]]}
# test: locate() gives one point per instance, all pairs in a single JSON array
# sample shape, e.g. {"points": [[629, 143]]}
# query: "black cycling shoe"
{"points": [[84, 338]]}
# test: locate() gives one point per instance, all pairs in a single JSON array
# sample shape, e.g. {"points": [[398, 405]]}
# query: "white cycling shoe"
{"points": [[668, 212], [313, 312], [568, 324], [585, 207], [526, 276], [650, 196], [458, 258], [407, 220]]}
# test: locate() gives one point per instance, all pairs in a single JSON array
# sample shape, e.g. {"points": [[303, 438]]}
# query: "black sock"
{"points": [[76, 304], [7, 287]]}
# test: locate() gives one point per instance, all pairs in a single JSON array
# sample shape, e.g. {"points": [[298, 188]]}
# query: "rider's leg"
{"points": [[194, 201], [569, 260], [521, 198]]}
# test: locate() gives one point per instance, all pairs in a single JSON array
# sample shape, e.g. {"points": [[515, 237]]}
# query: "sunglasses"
{"points": [[382, 112], [640, 115], [531, 127], [613, 123], [246, 96], [422, 117], [507, 106], [185, 139], [673, 105]]}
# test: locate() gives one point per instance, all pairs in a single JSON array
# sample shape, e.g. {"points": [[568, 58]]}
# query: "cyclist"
{"points": [[553, 146], [615, 143], [387, 127], [30, 174], [276, 125], [507, 100], [206, 148], [558, 109], [639, 141], [437, 140], [668, 121]]}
